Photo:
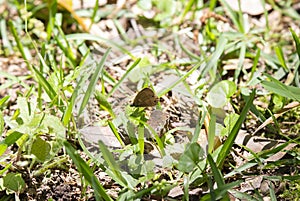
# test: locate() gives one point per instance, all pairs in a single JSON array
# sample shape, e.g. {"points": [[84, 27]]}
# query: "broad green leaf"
{"points": [[220, 93], [14, 182], [229, 123], [41, 149], [231, 137], [12, 137], [54, 126], [281, 89], [192, 155], [27, 109]]}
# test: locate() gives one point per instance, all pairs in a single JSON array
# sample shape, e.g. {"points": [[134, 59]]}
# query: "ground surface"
{"points": [[167, 55]]}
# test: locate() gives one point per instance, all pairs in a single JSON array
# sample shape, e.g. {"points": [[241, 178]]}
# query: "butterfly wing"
{"points": [[145, 98]]}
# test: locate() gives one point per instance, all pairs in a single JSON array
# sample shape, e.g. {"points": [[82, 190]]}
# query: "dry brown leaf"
{"points": [[258, 144]]}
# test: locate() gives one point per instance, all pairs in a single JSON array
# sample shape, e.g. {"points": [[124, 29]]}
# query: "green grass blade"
{"points": [[103, 103], [234, 16], [211, 133], [87, 173], [255, 62], [5, 39], [180, 79], [3, 100], [230, 140], [297, 42], [65, 47], [68, 112], [137, 61], [112, 164], [187, 8], [272, 193], [280, 56], [212, 64], [52, 7], [19, 43], [199, 125], [45, 84], [216, 172], [85, 36], [241, 61], [281, 89], [243, 196], [94, 15], [241, 168], [141, 138], [116, 133], [93, 82]]}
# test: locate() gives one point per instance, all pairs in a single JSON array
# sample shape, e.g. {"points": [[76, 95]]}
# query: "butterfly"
{"points": [[145, 98]]}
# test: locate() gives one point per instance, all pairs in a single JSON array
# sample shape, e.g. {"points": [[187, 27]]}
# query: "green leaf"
{"points": [[281, 89], [112, 164], [45, 84], [211, 133], [229, 123], [230, 140], [216, 172], [41, 149], [192, 155], [297, 41], [54, 126], [3, 100], [27, 109], [145, 4], [1, 123], [80, 86], [212, 64], [3, 148], [14, 182], [12, 137], [87, 173], [103, 103], [19, 43], [93, 82], [220, 191], [220, 93], [280, 56]]}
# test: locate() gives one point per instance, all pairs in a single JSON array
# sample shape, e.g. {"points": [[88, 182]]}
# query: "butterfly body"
{"points": [[145, 98]]}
